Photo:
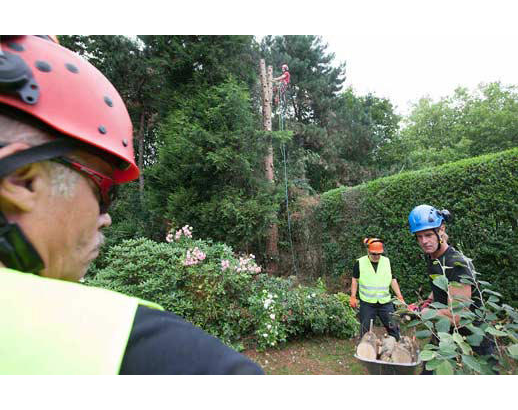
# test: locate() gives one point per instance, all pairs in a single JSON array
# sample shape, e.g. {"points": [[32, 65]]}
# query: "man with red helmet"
{"points": [[65, 143], [372, 275], [284, 80]]}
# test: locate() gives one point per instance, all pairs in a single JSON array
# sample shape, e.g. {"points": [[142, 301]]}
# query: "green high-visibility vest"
{"points": [[50, 326], [374, 285]]}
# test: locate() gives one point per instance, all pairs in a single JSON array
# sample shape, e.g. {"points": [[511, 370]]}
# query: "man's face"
{"points": [[428, 240], [374, 256], [71, 226]]}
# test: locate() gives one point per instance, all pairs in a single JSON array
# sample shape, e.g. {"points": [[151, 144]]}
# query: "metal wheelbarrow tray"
{"points": [[379, 367]]}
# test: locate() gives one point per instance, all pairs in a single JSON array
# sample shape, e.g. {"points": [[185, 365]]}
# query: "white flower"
{"points": [[269, 326], [313, 294], [272, 316], [265, 335]]}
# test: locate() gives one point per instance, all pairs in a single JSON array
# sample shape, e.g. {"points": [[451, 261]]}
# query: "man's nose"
{"points": [[105, 220]]}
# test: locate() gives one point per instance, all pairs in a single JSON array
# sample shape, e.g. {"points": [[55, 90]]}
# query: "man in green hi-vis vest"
{"points": [[65, 143], [372, 275]]}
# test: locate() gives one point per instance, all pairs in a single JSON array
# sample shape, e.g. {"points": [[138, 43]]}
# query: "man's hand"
{"points": [[353, 302], [401, 299]]}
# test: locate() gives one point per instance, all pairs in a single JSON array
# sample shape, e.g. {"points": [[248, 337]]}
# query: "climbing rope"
{"points": [[282, 105]]}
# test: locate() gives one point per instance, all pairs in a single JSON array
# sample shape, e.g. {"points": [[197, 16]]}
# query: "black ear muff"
{"points": [[446, 215], [16, 78], [16, 252]]}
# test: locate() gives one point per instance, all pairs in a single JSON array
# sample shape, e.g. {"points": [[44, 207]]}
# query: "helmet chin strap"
{"points": [[439, 240]]}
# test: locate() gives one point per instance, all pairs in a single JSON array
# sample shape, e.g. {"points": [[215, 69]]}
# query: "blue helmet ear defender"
{"points": [[425, 217]]}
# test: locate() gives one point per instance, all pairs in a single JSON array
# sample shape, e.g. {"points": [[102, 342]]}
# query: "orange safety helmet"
{"points": [[374, 245], [67, 93]]}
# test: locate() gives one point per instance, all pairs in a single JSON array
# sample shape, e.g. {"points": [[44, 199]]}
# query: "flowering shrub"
{"points": [[282, 311], [193, 256], [185, 231], [267, 313], [224, 294]]}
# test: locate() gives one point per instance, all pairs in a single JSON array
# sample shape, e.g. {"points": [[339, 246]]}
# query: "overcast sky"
{"points": [[404, 68]]}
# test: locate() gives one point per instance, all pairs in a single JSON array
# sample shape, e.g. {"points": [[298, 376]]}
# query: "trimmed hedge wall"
{"points": [[480, 192]]}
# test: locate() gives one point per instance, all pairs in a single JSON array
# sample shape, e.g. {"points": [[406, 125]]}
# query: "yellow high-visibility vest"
{"points": [[374, 286], [50, 326]]}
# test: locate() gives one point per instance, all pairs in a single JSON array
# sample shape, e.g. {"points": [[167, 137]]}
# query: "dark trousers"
{"points": [[384, 311]]}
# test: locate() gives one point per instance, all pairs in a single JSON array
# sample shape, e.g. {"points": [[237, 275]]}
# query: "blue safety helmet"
{"points": [[425, 217]]}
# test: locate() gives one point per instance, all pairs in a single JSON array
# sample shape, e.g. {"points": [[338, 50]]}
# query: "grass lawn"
{"points": [[319, 355]]}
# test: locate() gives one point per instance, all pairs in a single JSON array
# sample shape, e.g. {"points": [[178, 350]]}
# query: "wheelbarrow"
{"points": [[380, 367], [389, 368]]}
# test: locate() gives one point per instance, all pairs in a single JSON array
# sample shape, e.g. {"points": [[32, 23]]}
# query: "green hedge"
{"points": [[480, 192]]}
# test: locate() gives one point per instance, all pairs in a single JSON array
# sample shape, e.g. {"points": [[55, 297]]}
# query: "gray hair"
{"points": [[63, 179]]}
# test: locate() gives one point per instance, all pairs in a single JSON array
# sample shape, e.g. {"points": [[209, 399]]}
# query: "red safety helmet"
{"points": [[284, 67], [67, 93], [374, 245]]}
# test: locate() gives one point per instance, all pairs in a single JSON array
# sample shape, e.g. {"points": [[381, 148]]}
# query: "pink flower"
{"points": [[225, 264]]}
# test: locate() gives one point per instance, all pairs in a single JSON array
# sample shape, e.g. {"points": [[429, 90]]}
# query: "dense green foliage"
{"points": [[480, 194], [491, 320], [463, 125], [224, 294], [208, 171]]}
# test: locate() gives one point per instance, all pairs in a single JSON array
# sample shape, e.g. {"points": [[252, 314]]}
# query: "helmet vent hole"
{"points": [[16, 47], [43, 66], [72, 68], [108, 101], [102, 129], [125, 142]]}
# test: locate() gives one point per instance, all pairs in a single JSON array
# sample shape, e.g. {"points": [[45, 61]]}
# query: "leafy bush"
{"points": [[283, 311], [456, 354], [224, 294]]}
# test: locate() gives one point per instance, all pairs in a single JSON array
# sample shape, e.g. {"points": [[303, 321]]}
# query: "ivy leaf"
{"points": [[441, 282], [443, 325], [429, 314], [426, 355], [439, 305], [413, 323], [433, 364], [471, 362], [445, 368], [422, 334], [513, 351], [491, 330], [474, 339]]}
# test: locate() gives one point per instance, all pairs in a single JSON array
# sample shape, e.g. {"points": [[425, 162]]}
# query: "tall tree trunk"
{"points": [[272, 238]]}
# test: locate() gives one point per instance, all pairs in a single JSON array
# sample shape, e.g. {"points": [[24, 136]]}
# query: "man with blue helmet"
{"points": [[428, 225]]}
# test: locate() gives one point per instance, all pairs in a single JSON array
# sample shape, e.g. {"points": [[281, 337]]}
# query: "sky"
{"points": [[405, 68]]}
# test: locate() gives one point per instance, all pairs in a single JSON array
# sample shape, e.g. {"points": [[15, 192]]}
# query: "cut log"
{"points": [[401, 355], [368, 346], [410, 345], [387, 346]]}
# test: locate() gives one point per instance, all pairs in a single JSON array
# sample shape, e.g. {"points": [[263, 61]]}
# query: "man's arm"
{"points": [[457, 292], [281, 77], [164, 343], [397, 291], [354, 288]]}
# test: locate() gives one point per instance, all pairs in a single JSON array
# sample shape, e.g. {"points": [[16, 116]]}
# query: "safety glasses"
{"points": [[106, 185]]}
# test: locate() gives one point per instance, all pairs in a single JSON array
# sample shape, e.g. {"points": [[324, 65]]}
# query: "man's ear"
{"points": [[20, 190]]}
